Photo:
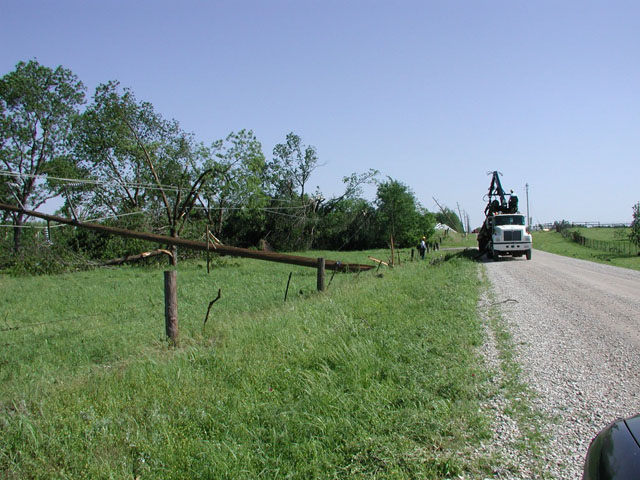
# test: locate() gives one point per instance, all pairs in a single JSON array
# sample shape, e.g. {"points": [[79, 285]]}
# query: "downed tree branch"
{"points": [[215, 240], [211, 305], [133, 258]]}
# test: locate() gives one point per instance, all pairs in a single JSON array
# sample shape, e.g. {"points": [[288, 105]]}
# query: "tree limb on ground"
{"points": [[133, 258]]}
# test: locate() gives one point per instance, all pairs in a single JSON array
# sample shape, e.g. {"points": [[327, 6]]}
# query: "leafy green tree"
{"points": [[37, 108], [349, 225], [399, 215], [634, 235], [139, 160], [292, 166], [235, 191], [345, 221], [292, 218]]}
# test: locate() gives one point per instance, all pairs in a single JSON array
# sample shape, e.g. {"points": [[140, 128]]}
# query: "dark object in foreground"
{"points": [[614, 454]]}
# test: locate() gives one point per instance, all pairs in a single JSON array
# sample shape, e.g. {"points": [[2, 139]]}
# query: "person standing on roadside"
{"points": [[422, 247]]}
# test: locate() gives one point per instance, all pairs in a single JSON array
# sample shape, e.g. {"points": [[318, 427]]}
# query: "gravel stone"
{"points": [[576, 329]]}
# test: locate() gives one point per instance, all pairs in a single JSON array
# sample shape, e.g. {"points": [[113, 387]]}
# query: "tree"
{"points": [[292, 217], [349, 225], [344, 222], [634, 235], [400, 215], [292, 165], [37, 108], [139, 160], [236, 188]]}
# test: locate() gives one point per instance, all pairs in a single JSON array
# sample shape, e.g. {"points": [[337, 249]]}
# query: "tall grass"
{"points": [[376, 378]]}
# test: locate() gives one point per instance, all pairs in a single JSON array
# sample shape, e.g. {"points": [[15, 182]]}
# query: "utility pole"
{"points": [[444, 212], [195, 245], [526, 187], [461, 219]]}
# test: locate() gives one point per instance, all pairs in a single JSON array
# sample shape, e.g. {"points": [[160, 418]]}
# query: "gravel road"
{"points": [[576, 327]]}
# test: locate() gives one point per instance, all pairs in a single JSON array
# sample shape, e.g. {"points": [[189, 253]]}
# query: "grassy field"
{"points": [[608, 234], [455, 240], [375, 378], [554, 242]]}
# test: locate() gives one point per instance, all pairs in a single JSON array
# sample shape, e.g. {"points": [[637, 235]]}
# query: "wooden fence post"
{"points": [[321, 274], [171, 305]]}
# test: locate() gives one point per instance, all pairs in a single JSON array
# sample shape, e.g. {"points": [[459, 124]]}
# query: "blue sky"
{"points": [[433, 94]]}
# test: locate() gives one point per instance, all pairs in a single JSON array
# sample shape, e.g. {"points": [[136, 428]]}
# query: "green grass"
{"points": [[375, 378], [454, 239], [553, 242], [601, 233]]}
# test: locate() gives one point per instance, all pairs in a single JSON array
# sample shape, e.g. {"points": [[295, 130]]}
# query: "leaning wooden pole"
{"points": [[195, 245]]}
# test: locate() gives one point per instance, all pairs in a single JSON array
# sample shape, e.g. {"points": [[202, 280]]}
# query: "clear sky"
{"points": [[432, 93]]}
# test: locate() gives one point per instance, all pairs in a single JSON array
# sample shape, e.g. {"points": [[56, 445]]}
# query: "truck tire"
{"points": [[528, 254], [494, 255]]}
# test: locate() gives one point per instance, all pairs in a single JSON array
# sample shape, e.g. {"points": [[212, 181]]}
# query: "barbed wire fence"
{"points": [[29, 333], [623, 247]]}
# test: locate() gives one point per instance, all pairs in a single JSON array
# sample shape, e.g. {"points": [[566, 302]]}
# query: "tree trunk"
{"points": [[17, 233], [173, 259], [220, 218]]}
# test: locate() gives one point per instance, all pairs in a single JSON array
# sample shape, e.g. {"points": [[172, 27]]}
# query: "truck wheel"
{"points": [[494, 255], [528, 254]]}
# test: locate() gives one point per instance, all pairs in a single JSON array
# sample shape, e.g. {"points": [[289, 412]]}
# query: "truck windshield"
{"points": [[509, 220]]}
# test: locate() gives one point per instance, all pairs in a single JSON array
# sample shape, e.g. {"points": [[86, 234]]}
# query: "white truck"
{"points": [[504, 231], [509, 236]]}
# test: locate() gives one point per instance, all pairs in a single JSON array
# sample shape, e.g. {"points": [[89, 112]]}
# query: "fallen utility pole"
{"points": [[379, 261], [196, 245]]}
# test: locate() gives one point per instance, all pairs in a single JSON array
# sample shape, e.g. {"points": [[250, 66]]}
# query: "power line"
{"points": [[146, 186], [88, 181]]}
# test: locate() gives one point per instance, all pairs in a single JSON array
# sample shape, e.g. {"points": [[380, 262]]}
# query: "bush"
{"points": [[43, 260]]}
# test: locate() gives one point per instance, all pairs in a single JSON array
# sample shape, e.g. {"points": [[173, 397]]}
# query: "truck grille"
{"points": [[512, 235]]}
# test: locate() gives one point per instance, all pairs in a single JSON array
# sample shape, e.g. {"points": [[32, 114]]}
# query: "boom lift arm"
{"points": [[497, 201]]}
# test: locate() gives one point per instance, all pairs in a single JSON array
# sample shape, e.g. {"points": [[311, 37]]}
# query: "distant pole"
{"points": [[444, 212], [526, 186], [321, 274], [171, 305], [461, 220]]}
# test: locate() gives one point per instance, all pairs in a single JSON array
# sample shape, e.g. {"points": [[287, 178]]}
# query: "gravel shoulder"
{"points": [[576, 328]]}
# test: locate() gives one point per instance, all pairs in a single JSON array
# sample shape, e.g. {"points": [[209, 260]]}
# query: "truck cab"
{"points": [[509, 235]]}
